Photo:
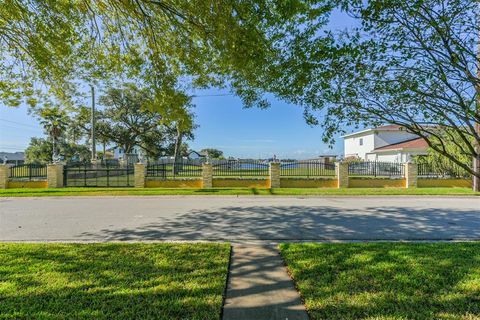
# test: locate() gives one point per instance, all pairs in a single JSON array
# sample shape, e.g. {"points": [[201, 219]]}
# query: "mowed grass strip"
{"points": [[387, 280], [112, 281], [31, 192]]}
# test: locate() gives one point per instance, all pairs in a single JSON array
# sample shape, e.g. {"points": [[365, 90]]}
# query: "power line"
{"points": [[37, 130], [19, 123]]}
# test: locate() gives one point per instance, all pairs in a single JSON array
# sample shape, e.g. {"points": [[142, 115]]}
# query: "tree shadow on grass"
{"points": [[387, 280], [112, 281]]}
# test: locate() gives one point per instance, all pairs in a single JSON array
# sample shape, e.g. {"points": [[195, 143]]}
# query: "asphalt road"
{"points": [[239, 218]]}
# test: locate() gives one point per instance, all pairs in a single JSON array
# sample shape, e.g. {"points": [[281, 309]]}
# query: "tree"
{"points": [[212, 153], [410, 63], [124, 120], [38, 151], [180, 118], [54, 121], [129, 119], [41, 151], [56, 43]]}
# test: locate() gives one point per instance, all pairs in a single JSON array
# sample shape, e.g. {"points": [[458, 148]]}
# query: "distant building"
{"points": [[194, 155], [133, 157], [12, 157], [390, 143]]}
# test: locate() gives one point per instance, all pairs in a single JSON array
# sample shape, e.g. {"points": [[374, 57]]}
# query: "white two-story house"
{"points": [[390, 143]]}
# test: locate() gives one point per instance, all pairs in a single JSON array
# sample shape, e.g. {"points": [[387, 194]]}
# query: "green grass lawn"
{"points": [[112, 281], [387, 280], [233, 191]]}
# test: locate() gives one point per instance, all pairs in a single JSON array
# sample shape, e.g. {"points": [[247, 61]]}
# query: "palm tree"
{"points": [[54, 121]]}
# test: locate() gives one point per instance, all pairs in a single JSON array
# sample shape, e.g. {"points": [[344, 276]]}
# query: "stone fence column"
{"points": [[139, 173], [207, 175], [3, 176], [341, 171], [55, 175], [411, 174], [274, 171]]}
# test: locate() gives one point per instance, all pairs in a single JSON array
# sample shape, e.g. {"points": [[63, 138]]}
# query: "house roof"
{"points": [[200, 155], [388, 127], [417, 143], [12, 155]]}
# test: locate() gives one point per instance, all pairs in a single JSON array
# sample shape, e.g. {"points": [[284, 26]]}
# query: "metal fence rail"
{"points": [[306, 169], [376, 169], [88, 175], [168, 169], [28, 172], [428, 171], [240, 168]]}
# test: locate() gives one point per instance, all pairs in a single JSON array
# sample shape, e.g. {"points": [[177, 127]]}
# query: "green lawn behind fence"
{"points": [[112, 281]]}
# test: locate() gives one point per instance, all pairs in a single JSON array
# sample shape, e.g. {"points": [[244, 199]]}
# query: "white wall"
{"points": [[393, 156], [354, 149], [373, 140]]}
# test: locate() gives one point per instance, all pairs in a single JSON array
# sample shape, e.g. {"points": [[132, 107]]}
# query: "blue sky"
{"points": [[223, 124]]}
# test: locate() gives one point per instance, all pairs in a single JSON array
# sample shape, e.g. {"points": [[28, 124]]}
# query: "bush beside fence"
{"points": [[428, 171]]}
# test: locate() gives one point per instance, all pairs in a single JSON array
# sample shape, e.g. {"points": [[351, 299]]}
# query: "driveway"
{"points": [[239, 218]]}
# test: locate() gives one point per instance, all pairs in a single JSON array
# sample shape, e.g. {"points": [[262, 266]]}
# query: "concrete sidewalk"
{"points": [[259, 287]]}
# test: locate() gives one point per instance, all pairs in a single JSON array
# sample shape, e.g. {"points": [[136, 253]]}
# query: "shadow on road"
{"points": [[304, 223]]}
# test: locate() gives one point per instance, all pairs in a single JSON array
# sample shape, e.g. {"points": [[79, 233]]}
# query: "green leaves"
{"points": [[151, 42]]}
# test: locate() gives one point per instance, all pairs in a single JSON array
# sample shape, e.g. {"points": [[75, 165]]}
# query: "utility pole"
{"points": [[94, 151]]}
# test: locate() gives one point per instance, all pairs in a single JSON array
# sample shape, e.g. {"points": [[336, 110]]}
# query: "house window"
{"points": [[361, 141]]}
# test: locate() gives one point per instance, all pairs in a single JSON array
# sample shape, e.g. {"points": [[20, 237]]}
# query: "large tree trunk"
{"points": [[476, 160], [176, 155]]}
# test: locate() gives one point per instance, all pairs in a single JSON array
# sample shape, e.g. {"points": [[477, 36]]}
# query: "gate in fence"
{"points": [[93, 175]]}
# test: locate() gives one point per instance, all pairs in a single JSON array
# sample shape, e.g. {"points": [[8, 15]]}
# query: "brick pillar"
{"points": [[3, 176], [341, 171], [55, 175], [411, 173], [274, 174], [139, 172], [207, 175]]}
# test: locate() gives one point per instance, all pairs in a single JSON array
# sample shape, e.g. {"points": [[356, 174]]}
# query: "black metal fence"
{"points": [[169, 169], [28, 172], [240, 168], [306, 168], [376, 169], [93, 175], [428, 171]]}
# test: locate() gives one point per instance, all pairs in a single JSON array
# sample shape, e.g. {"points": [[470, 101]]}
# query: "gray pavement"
{"points": [[239, 219], [259, 287]]}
